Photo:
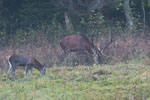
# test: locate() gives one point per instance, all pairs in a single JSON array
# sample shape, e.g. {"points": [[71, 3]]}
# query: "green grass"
{"points": [[97, 82]]}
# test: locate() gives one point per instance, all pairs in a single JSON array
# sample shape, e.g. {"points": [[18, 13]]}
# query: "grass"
{"points": [[97, 82]]}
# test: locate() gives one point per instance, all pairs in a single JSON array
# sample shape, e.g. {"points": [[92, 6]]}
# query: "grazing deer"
{"points": [[27, 61], [81, 43]]}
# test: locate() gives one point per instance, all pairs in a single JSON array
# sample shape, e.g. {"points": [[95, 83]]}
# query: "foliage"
{"points": [[95, 22], [29, 15]]}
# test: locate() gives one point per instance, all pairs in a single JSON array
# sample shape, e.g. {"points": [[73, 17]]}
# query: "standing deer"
{"points": [[81, 43], [27, 61]]}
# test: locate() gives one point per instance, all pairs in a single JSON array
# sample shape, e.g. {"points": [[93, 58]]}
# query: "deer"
{"points": [[27, 61], [74, 43]]}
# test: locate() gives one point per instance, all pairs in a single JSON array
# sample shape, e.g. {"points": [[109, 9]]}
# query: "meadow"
{"points": [[124, 77], [120, 81]]}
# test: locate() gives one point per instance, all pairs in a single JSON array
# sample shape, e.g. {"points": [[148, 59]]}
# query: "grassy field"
{"points": [[97, 82]]}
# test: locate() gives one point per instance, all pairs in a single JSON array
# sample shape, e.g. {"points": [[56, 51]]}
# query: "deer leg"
{"points": [[13, 72], [10, 66], [26, 70], [31, 71]]}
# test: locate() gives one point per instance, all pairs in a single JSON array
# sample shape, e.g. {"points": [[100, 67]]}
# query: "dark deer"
{"points": [[81, 43], [27, 61]]}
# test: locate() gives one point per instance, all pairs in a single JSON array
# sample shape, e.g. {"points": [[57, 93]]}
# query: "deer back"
{"points": [[76, 42], [21, 59]]}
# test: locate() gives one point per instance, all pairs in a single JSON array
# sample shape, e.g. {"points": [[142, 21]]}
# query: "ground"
{"points": [[98, 82]]}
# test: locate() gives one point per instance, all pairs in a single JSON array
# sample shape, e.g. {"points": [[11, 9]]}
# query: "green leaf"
{"points": [[148, 2]]}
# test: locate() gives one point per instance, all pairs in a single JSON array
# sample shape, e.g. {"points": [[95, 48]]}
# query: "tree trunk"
{"points": [[128, 14], [143, 11], [68, 22]]}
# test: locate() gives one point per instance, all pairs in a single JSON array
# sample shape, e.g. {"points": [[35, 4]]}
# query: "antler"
{"points": [[111, 41], [101, 52]]}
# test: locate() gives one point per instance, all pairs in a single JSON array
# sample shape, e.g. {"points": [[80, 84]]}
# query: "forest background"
{"points": [[36, 27]]}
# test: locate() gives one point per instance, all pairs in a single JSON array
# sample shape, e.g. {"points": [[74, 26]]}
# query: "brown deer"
{"points": [[27, 61], [81, 43]]}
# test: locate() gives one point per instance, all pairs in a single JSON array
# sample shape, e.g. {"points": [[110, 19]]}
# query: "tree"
{"points": [[128, 14], [79, 7]]}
